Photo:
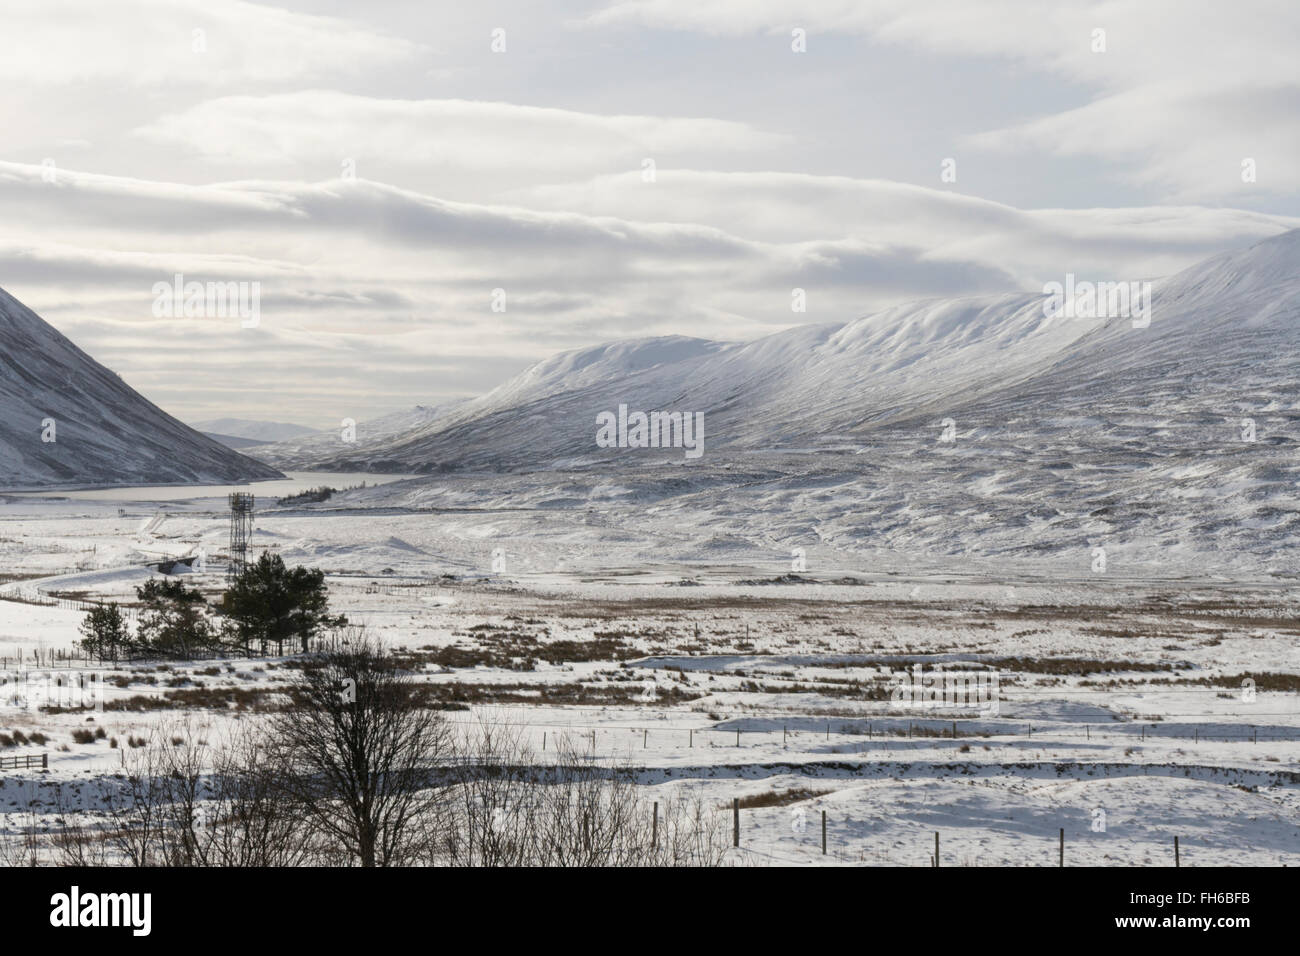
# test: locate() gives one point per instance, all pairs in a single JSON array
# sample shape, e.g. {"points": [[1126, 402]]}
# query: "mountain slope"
{"points": [[1227, 324], [103, 431]]}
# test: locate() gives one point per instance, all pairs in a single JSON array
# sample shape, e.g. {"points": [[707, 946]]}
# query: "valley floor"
{"points": [[1129, 712]]}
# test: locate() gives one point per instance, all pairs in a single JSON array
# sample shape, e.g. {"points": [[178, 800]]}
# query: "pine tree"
{"points": [[270, 603], [105, 632], [173, 622]]}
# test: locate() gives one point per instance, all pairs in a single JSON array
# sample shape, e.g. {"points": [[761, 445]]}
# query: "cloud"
{"points": [[1176, 95], [1031, 245], [363, 282], [362, 262], [206, 43], [1164, 142], [306, 126]]}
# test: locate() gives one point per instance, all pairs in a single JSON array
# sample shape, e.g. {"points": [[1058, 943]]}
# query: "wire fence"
{"points": [[74, 658], [840, 747]]}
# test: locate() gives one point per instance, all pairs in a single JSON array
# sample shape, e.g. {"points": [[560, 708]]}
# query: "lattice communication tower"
{"points": [[241, 529]]}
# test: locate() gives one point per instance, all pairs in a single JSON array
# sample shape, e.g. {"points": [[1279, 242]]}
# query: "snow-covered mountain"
{"points": [[66, 420], [1078, 447], [1219, 346], [361, 443]]}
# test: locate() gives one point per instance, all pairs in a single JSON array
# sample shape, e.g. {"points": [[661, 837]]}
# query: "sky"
{"points": [[431, 196]]}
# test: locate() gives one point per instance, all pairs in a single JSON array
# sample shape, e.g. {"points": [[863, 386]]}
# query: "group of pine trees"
{"points": [[268, 605]]}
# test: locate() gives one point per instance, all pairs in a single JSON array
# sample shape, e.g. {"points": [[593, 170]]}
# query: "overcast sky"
{"points": [[380, 169]]}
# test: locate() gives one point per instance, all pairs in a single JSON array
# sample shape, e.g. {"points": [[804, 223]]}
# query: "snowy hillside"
{"points": [[68, 420], [359, 442], [1226, 327], [377, 442]]}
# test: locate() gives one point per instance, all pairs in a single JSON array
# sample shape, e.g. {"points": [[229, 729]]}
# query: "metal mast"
{"points": [[241, 529]]}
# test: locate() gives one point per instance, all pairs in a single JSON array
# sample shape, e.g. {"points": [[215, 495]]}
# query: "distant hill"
{"points": [[365, 437], [230, 441], [252, 430]]}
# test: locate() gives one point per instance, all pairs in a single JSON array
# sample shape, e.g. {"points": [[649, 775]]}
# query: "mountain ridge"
{"points": [[813, 384]]}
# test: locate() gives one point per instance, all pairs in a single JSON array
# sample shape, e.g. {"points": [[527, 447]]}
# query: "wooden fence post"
{"points": [[735, 821], [823, 833], [1062, 861], [1177, 861], [936, 847], [654, 828]]}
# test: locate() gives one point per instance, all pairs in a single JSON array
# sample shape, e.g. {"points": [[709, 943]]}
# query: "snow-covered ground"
{"points": [[1125, 712]]}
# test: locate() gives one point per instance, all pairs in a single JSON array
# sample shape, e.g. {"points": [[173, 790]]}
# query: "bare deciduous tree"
{"points": [[513, 807], [357, 752]]}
